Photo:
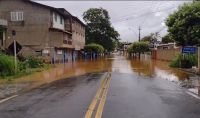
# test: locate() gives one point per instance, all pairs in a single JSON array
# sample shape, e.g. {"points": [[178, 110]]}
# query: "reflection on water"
{"points": [[157, 69], [62, 71], [116, 63], [166, 75], [147, 67]]}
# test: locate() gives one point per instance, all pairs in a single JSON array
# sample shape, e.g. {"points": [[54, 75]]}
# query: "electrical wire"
{"points": [[143, 15]]}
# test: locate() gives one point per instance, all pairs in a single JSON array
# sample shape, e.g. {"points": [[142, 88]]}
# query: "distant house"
{"points": [[40, 30]]}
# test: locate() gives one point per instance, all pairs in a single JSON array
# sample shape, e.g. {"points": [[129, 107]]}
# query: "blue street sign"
{"points": [[189, 50]]}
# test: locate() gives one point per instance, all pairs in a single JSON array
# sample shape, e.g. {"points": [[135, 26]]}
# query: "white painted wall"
{"points": [[57, 24]]}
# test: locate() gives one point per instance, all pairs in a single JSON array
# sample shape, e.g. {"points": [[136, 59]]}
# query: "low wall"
{"points": [[165, 54]]}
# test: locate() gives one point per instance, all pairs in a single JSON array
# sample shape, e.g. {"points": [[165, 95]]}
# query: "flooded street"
{"points": [[136, 89]]}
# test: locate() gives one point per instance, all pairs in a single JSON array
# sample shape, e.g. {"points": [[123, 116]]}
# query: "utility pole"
{"points": [[139, 32], [139, 37]]}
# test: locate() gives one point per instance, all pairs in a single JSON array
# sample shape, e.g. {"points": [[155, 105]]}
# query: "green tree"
{"points": [[99, 29], [167, 39], [153, 37], [139, 47], [92, 47], [184, 24]]}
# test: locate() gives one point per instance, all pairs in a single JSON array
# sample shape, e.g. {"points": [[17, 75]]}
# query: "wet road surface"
{"points": [[132, 96], [137, 89], [67, 98]]}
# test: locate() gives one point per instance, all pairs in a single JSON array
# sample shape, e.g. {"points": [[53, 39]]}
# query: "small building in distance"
{"points": [[165, 52]]}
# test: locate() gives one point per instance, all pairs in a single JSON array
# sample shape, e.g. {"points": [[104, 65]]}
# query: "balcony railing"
{"points": [[3, 22], [69, 42]]}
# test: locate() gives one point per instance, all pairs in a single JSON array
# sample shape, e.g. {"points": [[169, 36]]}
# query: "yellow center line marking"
{"points": [[103, 100], [96, 98]]}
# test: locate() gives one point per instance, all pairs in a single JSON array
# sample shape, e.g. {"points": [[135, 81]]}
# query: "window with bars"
{"points": [[17, 16]]}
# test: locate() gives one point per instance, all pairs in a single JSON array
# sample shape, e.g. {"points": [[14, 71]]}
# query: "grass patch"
{"points": [[26, 67], [7, 65], [26, 72], [185, 61]]}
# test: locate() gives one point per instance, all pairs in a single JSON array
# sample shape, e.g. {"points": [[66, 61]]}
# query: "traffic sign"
{"points": [[189, 50]]}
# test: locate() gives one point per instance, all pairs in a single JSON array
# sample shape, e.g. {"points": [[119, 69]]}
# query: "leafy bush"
{"points": [[27, 66], [7, 65], [139, 47], [23, 65], [93, 47], [185, 61], [33, 62]]}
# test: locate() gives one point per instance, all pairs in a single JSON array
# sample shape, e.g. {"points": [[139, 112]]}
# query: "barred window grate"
{"points": [[17, 16]]}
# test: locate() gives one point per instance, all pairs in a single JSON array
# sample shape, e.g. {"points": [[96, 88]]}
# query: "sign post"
{"points": [[15, 50]]}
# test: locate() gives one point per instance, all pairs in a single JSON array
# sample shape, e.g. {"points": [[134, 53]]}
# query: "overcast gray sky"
{"points": [[126, 16]]}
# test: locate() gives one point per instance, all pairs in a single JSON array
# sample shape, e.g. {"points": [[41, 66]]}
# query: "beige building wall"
{"points": [[37, 32], [33, 31], [78, 35], [167, 54]]}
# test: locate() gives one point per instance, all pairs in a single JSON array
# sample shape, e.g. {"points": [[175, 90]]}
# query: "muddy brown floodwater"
{"points": [[116, 63]]}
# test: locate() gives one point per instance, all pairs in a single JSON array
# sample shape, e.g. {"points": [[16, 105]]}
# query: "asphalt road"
{"points": [[67, 98], [132, 96], [126, 94]]}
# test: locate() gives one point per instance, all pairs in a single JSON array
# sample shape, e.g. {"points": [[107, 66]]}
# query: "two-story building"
{"points": [[39, 30]]}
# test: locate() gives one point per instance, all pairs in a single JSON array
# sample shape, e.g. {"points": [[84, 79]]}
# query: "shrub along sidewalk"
{"points": [[185, 61], [8, 75], [25, 67]]}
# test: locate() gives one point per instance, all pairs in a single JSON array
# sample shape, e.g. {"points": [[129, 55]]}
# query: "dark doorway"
{"points": [[1, 37]]}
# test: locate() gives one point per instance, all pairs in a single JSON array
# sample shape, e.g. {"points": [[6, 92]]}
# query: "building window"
{"points": [[17, 16], [38, 53], [55, 17], [61, 20]]}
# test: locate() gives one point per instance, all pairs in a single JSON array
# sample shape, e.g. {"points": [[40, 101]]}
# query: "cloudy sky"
{"points": [[126, 16]]}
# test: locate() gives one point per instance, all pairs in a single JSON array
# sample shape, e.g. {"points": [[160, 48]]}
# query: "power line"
{"points": [[142, 15], [148, 15]]}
